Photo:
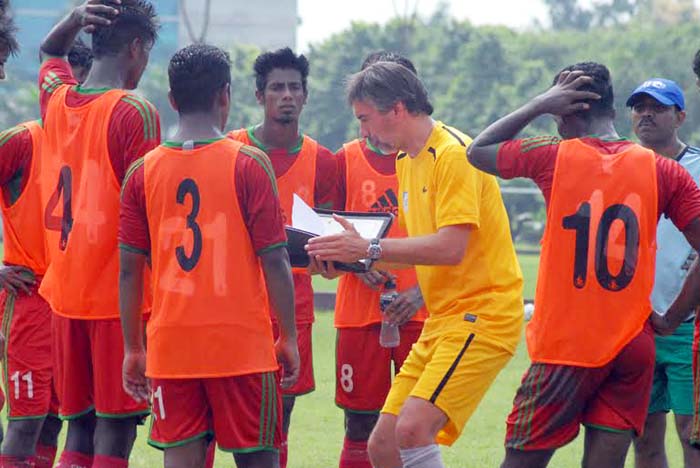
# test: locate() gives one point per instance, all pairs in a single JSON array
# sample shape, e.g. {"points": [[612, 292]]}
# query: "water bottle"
{"points": [[389, 336]]}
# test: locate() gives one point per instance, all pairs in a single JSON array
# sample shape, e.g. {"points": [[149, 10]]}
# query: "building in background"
{"points": [[267, 24]]}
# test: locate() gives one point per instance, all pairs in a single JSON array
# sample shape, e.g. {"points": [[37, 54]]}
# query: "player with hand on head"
{"points": [[302, 167], [92, 133], [591, 332], [204, 209]]}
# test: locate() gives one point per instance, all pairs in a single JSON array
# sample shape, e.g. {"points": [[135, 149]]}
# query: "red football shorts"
{"points": [[244, 412], [88, 367], [306, 382], [553, 400], [363, 369], [28, 359]]}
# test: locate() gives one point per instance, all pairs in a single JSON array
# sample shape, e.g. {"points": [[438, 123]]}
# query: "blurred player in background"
{"points": [[657, 113]]}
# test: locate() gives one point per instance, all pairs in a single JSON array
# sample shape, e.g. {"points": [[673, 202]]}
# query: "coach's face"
{"points": [[654, 122], [380, 128]]}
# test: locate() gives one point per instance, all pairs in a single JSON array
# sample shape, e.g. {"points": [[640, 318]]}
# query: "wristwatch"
{"points": [[374, 250]]}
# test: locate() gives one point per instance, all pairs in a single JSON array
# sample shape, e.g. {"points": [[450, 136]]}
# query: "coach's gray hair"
{"points": [[385, 84]]}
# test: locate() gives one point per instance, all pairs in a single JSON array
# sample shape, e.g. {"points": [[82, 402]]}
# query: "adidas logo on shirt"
{"points": [[387, 203]]}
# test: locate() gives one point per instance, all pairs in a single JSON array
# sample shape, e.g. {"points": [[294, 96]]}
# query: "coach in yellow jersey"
{"points": [[459, 240]]}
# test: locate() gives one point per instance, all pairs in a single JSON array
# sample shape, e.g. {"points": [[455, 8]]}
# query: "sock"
{"points": [[8, 461], [422, 457], [211, 450], [283, 451], [354, 454], [45, 456], [104, 461], [74, 460]]}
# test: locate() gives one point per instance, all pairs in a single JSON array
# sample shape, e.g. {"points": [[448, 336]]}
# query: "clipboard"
{"points": [[369, 225]]}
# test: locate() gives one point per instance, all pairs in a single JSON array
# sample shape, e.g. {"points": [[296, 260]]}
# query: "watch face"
{"points": [[374, 251]]}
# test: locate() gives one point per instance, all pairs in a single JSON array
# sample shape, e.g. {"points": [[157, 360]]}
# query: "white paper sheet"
{"points": [[306, 219]]}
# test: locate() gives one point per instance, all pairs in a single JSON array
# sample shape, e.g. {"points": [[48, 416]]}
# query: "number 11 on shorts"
{"points": [[27, 377]]}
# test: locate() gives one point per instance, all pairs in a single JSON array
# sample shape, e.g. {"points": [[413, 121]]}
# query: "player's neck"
{"points": [[276, 135], [603, 129], [105, 73], [671, 149], [198, 127], [417, 131]]}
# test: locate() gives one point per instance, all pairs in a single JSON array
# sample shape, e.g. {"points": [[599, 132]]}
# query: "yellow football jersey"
{"points": [[439, 187]]}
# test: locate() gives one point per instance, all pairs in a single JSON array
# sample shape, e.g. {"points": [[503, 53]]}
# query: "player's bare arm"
{"points": [[280, 290], [445, 247], [130, 299], [689, 296], [561, 99], [405, 307], [89, 15]]}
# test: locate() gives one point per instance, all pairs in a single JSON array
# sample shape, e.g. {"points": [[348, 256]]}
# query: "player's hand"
{"points": [[347, 246], [405, 306], [134, 375], [16, 278], [325, 269], [660, 324], [288, 358], [95, 13], [565, 97], [374, 279]]}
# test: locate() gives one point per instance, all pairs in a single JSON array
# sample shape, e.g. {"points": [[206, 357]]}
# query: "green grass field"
{"points": [[317, 424]]}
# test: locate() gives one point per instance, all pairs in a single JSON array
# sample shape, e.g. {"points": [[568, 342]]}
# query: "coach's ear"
{"points": [[173, 104]]}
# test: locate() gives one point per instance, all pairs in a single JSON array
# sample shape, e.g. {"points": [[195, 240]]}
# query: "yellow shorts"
{"points": [[452, 372]]}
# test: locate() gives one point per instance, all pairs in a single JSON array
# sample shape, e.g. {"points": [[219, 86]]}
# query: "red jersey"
{"points": [[21, 204], [598, 255], [384, 164], [16, 148], [134, 127], [325, 176], [253, 191], [535, 158], [208, 287], [368, 190], [91, 136]]}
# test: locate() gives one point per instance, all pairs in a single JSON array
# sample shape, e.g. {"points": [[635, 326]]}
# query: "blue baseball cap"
{"points": [[667, 92]]}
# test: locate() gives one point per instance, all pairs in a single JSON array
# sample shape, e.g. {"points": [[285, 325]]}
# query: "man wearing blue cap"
{"points": [[657, 112]]}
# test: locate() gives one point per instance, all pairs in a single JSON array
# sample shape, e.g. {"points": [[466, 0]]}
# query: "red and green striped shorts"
{"points": [[554, 400]]}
